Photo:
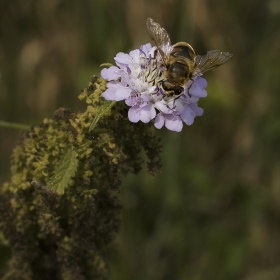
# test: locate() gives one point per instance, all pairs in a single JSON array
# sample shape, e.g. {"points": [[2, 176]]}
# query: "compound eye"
{"points": [[178, 90]]}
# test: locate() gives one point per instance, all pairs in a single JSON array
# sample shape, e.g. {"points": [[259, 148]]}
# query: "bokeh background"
{"points": [[214, 211]]}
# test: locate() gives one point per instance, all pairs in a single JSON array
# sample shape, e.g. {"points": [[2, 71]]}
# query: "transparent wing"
{"points": [[209, 61], [159, 36]]}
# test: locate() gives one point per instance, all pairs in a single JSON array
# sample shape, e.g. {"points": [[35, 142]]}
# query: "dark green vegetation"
{"points": [[213, 212], [67, 232]]}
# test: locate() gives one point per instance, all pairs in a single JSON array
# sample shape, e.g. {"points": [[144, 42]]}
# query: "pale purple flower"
{"points": [[137, 80]]}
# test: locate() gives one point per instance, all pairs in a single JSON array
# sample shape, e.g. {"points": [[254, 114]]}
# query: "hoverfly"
{"points": [[180, 62]]}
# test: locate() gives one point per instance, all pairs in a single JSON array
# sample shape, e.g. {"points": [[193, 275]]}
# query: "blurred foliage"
{"points": [[214, 211]]}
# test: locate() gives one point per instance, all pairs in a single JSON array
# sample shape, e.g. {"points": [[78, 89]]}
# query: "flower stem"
{"points": [[14, 125]]}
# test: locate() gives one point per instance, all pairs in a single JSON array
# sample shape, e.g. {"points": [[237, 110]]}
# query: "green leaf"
{"points": [[65, 169], [104, 110]]}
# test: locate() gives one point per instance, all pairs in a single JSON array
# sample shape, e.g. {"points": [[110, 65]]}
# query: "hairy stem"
{"points": [[14, 125]]}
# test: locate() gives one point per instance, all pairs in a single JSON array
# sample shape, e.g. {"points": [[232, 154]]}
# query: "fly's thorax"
{"points": [[183, 50]]}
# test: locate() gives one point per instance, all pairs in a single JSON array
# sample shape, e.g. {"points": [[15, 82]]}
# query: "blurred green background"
{"points": [[214, 211]]}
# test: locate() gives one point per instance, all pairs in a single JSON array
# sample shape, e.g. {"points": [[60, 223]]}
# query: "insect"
{"points": [[180, 62]]}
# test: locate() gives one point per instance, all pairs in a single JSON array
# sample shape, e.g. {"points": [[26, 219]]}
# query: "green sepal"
{"points": [[105, 65]]}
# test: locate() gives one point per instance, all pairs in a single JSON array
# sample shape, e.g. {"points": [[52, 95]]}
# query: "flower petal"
{"points": [[146, 48], [159, 121], [173, 123], [135, 55], [122, 59], [122, 93], [110, 93], [197, 91], [113, 84], [134, 114], [188, 115], [162, 107], [111, 73], [145, 97], [201, 82], [180, 103], [147, 113], [131, 101], [197, 110]]}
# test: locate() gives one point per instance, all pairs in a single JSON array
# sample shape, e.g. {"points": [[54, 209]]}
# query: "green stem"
{"points": [[14, 125]]}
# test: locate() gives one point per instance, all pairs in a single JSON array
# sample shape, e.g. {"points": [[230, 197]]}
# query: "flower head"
{"points": [[137, 79]]}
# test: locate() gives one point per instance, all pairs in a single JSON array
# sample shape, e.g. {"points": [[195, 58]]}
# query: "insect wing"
{"points": [[159, 36], [209, 61]]}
